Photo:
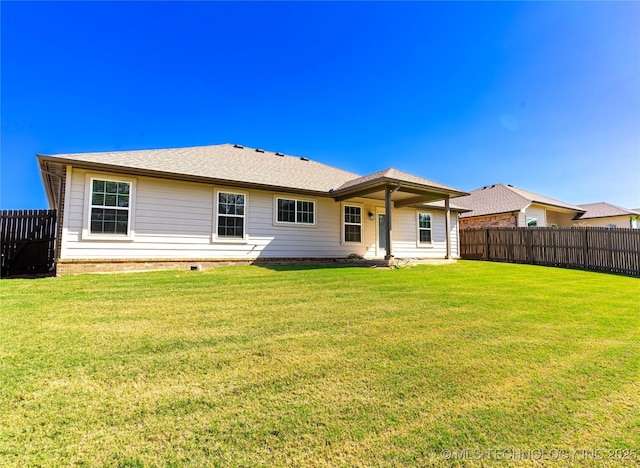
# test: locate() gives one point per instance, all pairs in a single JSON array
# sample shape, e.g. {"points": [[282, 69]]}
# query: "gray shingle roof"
{"points": [[396, 175], [501, 198], [238, 164], [604, 210], [222, 162]]}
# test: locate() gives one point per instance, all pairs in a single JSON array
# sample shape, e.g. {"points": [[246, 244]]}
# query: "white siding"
{"points": [[559, 219], [533, 211], [405, 232], [176, 220], [618, 221]]}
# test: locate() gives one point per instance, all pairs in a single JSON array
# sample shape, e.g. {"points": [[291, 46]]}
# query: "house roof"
{"points": [[249, 167], [503, 198], [604, 210], [223, 163], [408, 190], [393, 175]]}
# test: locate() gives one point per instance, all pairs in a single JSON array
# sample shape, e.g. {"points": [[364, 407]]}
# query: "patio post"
{"points": [[447, 226], [387, 208]]}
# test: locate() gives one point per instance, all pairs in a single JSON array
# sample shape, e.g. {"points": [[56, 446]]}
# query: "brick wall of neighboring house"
{"points": [[500, 220]]}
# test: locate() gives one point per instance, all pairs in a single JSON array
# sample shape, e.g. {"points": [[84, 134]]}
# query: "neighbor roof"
{"points": [[503, 198], [604, 210], [239, 165]]}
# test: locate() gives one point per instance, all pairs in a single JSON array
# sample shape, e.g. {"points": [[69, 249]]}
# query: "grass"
{"points": [[290, 366]]}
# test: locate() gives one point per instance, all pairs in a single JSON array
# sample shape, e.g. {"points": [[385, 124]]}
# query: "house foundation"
{"points": [[81, 266]]}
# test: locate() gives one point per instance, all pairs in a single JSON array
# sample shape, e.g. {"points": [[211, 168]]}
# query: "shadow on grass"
{"points": [[308, 266]]}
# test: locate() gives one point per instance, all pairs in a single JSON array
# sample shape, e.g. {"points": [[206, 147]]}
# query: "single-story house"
{"points": [[503, 205], [604, 214], [171, 208]]}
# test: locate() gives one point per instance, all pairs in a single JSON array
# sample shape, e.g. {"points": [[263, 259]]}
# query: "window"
{"points": [[424, 228], [230, 215], [532, 222], [295, 211], [110, 207], [352, 223]]}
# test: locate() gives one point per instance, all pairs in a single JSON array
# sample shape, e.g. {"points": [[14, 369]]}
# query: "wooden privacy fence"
{"points": [[27, 242], [588, 248]]}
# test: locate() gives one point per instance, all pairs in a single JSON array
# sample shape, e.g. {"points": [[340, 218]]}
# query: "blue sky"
{"points": [[544, 96]]}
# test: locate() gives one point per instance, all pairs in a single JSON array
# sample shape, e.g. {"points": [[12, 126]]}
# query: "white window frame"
{"points": [[224, 239], [418, 229], [88, 189], [343, 224], [276, 222], [528, 219]]}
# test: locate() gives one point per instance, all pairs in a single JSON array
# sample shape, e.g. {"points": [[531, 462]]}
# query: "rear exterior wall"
{"points": [[174, 221]]}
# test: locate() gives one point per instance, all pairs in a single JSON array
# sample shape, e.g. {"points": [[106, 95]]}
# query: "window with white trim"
{"points": [[110, 207], [352, 223], [532, 222], [230, 215], [293, 211], [424, 228]]}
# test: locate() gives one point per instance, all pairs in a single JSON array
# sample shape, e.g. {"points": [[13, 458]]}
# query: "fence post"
{"points": [[488, 249], [585, 249]]}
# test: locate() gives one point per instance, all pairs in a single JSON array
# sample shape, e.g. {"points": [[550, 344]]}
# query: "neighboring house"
{"points": [[178, 207], [503, 205], [607, 215]]}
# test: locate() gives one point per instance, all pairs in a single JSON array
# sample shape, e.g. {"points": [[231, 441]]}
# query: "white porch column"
{"points": [[387, 207], [447, 226]]}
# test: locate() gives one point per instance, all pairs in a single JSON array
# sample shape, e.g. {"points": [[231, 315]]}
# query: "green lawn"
{"points": [[321, 366]]}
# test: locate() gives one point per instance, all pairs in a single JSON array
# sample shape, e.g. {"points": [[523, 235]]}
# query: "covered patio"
{"points": [[399, 190]]}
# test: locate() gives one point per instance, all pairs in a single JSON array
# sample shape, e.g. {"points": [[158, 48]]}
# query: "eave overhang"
{"points": [[404, 193], [51, 180], [558, 208]]}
